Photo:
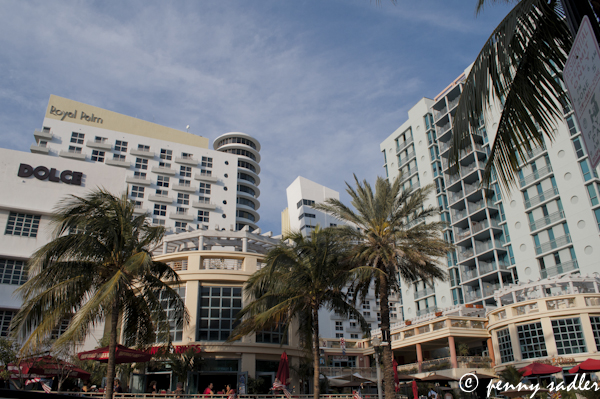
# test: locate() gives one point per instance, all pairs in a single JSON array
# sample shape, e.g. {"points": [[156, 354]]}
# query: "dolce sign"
{"points": [[73, 115], [43, 173]]}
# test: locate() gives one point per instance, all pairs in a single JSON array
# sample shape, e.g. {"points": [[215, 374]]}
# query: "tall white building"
{"points": [[547, 227]]}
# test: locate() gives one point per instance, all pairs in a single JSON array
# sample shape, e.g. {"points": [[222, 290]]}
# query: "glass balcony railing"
{"points": [[401, 146], [541, 197], [535, 175], [546, 220], [425, 292], [469, 274], [559, 269], [553, 244]]}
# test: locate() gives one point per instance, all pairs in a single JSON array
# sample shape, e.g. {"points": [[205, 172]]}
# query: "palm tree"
{"points": [[98, 267], [516, 71], [301, 276], [393, 235], [511, 375]]}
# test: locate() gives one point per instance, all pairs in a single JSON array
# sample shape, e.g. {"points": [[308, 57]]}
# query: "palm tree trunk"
{"points": [[316, 352], [384, 307], [112, 349]]}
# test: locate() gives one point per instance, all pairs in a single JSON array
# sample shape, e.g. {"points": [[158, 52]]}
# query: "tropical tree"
{"points": [[511, 375], [392, 233], [98, 268], [301, 276]]}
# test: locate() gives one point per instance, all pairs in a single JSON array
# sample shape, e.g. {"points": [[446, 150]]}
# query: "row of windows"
{"points": [[138, 191], [22, 224], [568, 336], [305, 202], [239, 140], [307, 215], [12, 272]]}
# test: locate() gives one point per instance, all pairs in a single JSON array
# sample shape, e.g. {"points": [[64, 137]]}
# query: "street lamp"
{"points": [[376, 341]]}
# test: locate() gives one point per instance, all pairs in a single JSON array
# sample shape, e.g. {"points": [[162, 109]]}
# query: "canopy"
{"points": [[123, 355], [46, 367], [590, 366], [539, 369], [415, 390], [283, 371], [438, 378], [396, 380]]}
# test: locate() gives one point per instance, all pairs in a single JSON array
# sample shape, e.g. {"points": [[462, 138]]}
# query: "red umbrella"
{"points": [[46, 367], [538, 369], [283, 371], [415, 390], [123, 355], [396, 380], [590, 366]]}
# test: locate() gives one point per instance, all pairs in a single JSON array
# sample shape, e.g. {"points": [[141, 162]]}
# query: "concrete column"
{"points": [[201, 243], [588, 333], [420, 358], [514, 340], [549, 337], [452, 347], [164, 247], [245, 244], [490, 347], [192, 289], [249, 364]]}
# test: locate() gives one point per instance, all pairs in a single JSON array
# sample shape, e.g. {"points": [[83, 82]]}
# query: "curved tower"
{"points": [[247, 149]]}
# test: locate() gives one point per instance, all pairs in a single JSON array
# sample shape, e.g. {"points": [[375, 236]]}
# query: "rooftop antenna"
{"points": [[188, 128]]}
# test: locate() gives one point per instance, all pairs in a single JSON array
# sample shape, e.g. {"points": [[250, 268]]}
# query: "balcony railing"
{"points": [[451, 179], [425, 311], [443, 146], [535, 175], [460, 234], [541, 197], [465, 254], [405, 159], [546, 220], [552, 244], [443, 129], [489, 290], [221, 264], [487, 267], [559, 269], [453, 197], [469, 188], [482, 246], [425, 292], [475, 206], [438, 114], [400, 147], [457, 215], [472, 295], [465, 170], [469, 274]]}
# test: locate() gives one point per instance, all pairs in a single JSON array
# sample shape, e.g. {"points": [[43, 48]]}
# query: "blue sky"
{"points": [[319, 83]]}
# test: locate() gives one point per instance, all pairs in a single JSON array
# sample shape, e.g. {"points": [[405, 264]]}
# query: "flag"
{"points": [[47, 388], [356, 395], [278, 386]]}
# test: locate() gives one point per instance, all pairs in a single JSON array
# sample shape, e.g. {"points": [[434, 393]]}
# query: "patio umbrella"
{"points": [[433, 377], [46, 367], [396, 380], [407, 377], [336, 382], [283, 371], [590, 366], [123, 355], [415, 390], [539, 369]]}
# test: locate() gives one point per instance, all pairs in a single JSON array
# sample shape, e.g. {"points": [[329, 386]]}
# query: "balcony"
{"points": [[451, 179], [488, 267], [400, 147], [164, 199], [538, 174], [187, 160], [204, 176], [206, 204], [465, 254], [138, 180], [425, 292], [121, 164], [72, 154], [484, 224], [461, 234], [475, 206], [163, 171], [541, 197], [535, 152], [39, 149], [469, 274], [184, 187], [490, 289], [181, 216], [471, 296], [142, 152], [483, 246], [99, 144], [458, 215], [547, 220], [423, 312], [469, 188], [559, 269], [465, 170], [43, 134], [453, 197], [440, 130], [553, 244], [443, 147], [438, 114], [405, 159], [453, 103]]}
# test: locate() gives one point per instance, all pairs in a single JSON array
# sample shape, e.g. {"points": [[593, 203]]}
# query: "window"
{"points": [[274, 335], [5, 319], [205, 172], [339, 326], [164, 165], [158, 222], [592, 193], [339, 335], [568, 336], [75, 150], [181, 211], [77, 138], [119, 157], [531, 340], [184, 182], [595, 321], [141, 163], [505, 346], [332, 225], [206, 162], [578, 147], [185, 171], [60, 328], [305, 202], [139, 175], [572, 125], [245, 215], [205, 188], [166, 154], [353, 336], [162, 181], [175, 320], [183, 199], [162, 193], [160, 210], [247, 202], [137, 192], [142, 147], [307, 215], [121, 146], [366, 305], [22, 224], [367, 314], [12, 272], [186, 155], [203, 216], [180, 226], [97, 156], [219, 307]]}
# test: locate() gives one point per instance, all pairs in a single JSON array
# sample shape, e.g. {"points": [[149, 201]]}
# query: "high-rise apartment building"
{"points": [[547, 226]]}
